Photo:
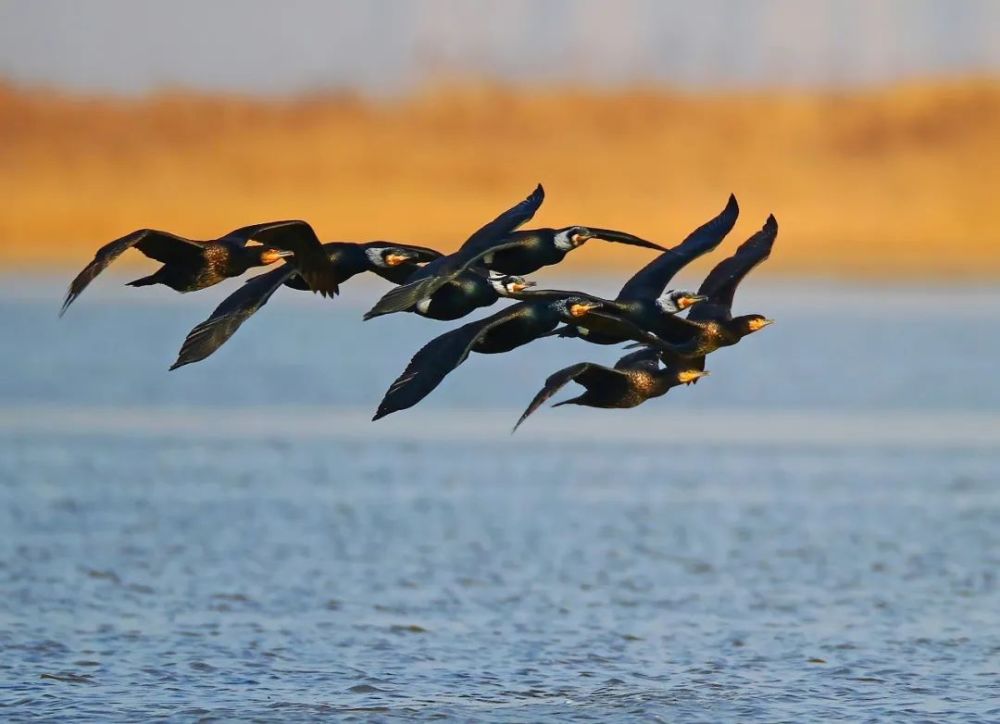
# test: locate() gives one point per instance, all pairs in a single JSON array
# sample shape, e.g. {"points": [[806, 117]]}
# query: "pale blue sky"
{"points": [[386, 45]]}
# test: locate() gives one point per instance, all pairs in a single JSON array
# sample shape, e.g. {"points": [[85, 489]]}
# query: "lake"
{"points": [[810, 533]]}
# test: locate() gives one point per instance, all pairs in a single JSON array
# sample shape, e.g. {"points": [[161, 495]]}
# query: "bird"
{"points": [[467, 292], [643, 298], [190, 265], [393, 262], [710, 323], [502, 331], [635, 378], [500, 247]]}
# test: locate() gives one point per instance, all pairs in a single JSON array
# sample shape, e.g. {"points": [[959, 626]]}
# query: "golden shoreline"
{"points": [[895, 182]]}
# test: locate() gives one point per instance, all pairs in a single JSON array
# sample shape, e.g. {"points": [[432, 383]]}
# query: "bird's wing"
{"points": [[298, 237], [720, 284], [629, 329], [432, 363], [645, 358], [160, 245], [651, 281], [408, 295], [586, 373], [234, 310], [483, 240], [554, 294], [621, 237]]}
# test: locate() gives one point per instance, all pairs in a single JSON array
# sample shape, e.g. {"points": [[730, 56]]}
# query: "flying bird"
{"points": [[710, 323], [190, 265], [644, 298], [635, 378], [393, 262], [503, 331], [499, 247]]}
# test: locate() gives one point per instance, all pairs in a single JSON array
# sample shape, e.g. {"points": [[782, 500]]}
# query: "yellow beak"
{"points": [[688, 376], [578, 310], [396, 259]]}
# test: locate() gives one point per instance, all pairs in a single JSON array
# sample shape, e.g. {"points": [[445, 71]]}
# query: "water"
{"points": [[811, 533]]}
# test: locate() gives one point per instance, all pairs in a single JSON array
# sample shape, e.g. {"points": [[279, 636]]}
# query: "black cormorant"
{"points": [[190, 265], [390, 261], [498, 246], [643, 298], [503, 331], [635, 378]]}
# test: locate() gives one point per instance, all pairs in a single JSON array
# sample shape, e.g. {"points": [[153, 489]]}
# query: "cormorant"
{"points": [[390, 261], [503, 331], [710, 323], [467, 292], [498, 246], [635, 378], [190, 265], [643, 300]]}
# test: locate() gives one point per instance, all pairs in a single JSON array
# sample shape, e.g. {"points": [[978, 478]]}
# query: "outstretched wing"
{"points": [[586, 373], [234, 310], [160, 245], [651, 281], [432, 363], [485, 241], [621, 237], [298, 237], [502, 226], [720, 284]]}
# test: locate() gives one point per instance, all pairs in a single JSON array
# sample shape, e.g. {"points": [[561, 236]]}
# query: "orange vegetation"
{"points": [[903, 180]]}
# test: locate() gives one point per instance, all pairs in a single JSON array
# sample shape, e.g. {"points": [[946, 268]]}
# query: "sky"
{"points": [[385, 46]]}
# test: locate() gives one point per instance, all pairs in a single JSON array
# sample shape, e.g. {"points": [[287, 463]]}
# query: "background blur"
{"points": [[810, 534], [871, 129]]}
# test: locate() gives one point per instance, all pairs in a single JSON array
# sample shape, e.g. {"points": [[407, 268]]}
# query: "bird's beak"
{"points": [[581, 237], [760, 324], [395, 259], [688, 376], [270, 256], [685, 302], [578, 310], [521, 286]]}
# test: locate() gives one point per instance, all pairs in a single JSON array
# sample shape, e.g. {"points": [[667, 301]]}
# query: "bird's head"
{"points": [[678, 300], [507, 284], [386, 257], [576, 307], [571, 237], [268, 255], [750, 323]]}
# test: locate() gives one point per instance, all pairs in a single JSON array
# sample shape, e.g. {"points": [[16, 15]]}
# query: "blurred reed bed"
{"points": [[894, 181]]}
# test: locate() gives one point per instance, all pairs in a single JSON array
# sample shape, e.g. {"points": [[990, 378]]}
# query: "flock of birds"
{"points": [[489, 265]]}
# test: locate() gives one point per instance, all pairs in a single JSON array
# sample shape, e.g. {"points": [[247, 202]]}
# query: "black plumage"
{"points": [[190, 265], [503, 331], [710, 323], [635, 378], [499, 247], [390, 261], [643, 298]]}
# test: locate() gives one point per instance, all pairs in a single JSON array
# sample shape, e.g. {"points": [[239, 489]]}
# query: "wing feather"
{"points": [[238, 307], [651, 281], [160, 245], [720, 284], [435, 360]]}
